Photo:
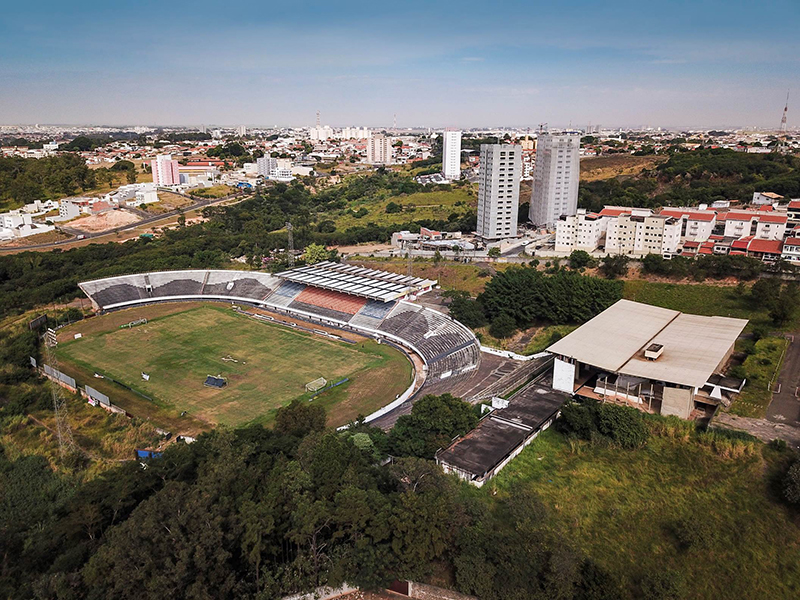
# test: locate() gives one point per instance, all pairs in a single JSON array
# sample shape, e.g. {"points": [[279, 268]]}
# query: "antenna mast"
{"points": [[66, 444], [781, 145], [291, 243], [785, 111]]}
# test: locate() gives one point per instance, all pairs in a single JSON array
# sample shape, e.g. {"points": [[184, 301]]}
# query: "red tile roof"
{"points": [[737, 253], [705, 251], [777, 218], [611, 211], [794, 204], [742, 243], [792, 241], [765, 246], [694, 215]]}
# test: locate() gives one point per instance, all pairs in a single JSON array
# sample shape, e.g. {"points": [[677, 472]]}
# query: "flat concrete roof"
{"points": [[610, 339], [615, 340], [694, 346], [501, 432]]}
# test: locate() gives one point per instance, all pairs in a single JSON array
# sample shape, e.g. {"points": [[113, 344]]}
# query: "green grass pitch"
{"points": [[266, 366]]}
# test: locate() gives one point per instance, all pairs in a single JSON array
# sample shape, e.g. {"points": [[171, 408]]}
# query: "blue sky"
{"points": [[465, 64]]}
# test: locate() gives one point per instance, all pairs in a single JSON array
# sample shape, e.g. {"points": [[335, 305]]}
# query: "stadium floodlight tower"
{"points": [[66, 444]]}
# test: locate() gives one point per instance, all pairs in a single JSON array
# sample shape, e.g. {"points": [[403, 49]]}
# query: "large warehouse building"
{"points": [[659, 360]]}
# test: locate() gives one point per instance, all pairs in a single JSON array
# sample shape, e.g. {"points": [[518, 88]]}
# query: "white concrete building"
{"points": [[15, 224], [696, 225], [640, 233], [379, 150], [555, 178], [762, 198], [581, 231], [265, 165], [451, 155], [498, 196], [791, 250]]}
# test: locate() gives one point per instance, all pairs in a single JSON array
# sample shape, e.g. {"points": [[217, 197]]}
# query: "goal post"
{"points": [[316, 385]]}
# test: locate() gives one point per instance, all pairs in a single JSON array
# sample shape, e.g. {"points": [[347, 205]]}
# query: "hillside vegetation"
{"points": [[692, 178]]}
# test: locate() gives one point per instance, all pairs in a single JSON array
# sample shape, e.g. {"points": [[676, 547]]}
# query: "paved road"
{"points": [[150, 219], [785, 405], [763, 429]]}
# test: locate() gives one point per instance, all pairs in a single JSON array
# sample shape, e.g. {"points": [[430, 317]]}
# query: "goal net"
{"points": [[316, 385]]}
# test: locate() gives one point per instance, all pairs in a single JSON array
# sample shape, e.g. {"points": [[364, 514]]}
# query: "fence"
{"points": [[59, 376], [509, 354], [95, 395]]}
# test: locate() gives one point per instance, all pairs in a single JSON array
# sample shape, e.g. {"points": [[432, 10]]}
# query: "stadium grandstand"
{"points": [[368, 301]]}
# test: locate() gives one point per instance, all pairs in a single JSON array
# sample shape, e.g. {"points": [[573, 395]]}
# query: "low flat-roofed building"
{"points": [[501, 435], [656, 359]]}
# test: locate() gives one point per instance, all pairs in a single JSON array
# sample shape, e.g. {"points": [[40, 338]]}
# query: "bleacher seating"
{"points": [[116, 290], [176, 283], [257, 286], [286, 293], [321, 311], [443, 342], [337, 301]]}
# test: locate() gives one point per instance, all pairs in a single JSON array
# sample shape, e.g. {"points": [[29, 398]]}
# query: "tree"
{"points": [[502, 326], [494, 252], [466, 309], [393, 207], [615, 266], [433, 422], [580, 259], [784, 307], [300, 418], [315, 253]]}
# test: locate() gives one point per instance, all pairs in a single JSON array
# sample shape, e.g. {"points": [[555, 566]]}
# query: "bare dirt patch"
{"points": [[104, 221], [615, 165]]}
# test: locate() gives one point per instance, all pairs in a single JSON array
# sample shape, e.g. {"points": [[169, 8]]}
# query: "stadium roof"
{"points": [[615, 340], [358, 281]]}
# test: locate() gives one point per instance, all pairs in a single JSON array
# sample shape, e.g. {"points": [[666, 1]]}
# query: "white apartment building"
{"points": [[555, 178], [696, 225], [354, 133], [762, 225], [791, 250], [278, 169], [639, 233], [451, 155], [165, 170], [265, 165], [320, 132], [498, 195], [379, 150], [581, 231]]}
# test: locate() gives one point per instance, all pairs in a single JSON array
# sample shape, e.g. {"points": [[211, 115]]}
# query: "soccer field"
{"points": [[266, 365]]}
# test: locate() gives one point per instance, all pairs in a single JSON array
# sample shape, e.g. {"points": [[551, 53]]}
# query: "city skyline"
{"points": [[678, 65]]}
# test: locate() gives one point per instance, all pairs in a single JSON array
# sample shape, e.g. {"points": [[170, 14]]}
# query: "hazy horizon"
{"points": [[678, 65]]}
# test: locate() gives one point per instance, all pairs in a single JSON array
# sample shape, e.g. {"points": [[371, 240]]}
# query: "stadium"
{"points": [[263, 339]]}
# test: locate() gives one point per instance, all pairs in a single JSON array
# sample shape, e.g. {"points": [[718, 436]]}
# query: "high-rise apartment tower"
{"points": [[498, 195], [555, 178], [451, 155]]}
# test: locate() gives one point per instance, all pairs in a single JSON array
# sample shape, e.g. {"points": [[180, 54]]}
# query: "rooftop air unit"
{"points": [[653, 351]]}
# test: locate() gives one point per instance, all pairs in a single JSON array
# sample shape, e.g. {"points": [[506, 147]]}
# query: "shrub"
{"points": [[693, 532], [623, 425], [791, 484]]}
